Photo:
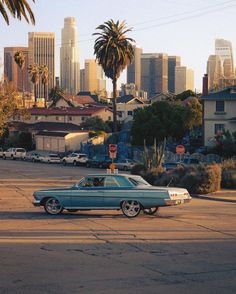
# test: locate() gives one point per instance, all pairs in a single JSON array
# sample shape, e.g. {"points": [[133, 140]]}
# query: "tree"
{"points": [[18, 9], [161, 120], [19, 58], [95, 124], [34, 77], [43, 71], [188, 93], [114, 51], [8, 102]]}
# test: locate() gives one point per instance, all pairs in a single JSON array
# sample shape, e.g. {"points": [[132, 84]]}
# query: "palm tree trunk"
{"points": [[22, 83], [45, 95], [35, 94], [114, 82]]}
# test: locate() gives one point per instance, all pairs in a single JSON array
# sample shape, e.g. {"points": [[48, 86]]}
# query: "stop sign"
{"points": [[112, 148], [180, 149]]}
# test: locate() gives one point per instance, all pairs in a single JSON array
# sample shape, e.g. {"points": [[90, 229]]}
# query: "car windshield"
{"points": [[138, 181]]}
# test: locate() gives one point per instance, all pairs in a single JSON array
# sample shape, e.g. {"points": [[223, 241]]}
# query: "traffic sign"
{"points": [[112, 150], [180, 149]]}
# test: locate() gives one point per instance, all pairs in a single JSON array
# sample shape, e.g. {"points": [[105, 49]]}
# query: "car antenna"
{"points": [[170, 182]]}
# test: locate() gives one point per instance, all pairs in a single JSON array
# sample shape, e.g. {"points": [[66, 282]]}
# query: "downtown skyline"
{"points": [[185, 30]]}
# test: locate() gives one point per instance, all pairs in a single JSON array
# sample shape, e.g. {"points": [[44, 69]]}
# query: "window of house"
{"points": [[57, 118], [220, 106], [109, 117], [70, 118], [219, 128], [82, 118], [130, 112], [36, 118]]}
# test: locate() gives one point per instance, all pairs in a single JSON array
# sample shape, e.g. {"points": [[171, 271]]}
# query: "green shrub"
{"points": [[199, 179], [228, 174], [138, 169]]}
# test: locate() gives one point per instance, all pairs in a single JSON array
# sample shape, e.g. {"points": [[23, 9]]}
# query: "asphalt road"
{"points": [[185, 249]]}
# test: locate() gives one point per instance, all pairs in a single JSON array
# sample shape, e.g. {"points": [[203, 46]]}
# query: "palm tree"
{"points": [[43, 71], [114, 51], [18, 9], [34, 77], [19, 58]]}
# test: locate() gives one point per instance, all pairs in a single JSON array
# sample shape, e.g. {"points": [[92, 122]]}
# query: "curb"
{"points": [[213, 199]]}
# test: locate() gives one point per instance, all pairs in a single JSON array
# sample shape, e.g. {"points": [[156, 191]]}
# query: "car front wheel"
{"points": [[74, 162], [53, 206], [150, 211], [131, 208]]}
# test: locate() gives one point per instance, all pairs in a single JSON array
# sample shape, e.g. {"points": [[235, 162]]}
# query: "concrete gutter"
{"points": [[222, 196]]}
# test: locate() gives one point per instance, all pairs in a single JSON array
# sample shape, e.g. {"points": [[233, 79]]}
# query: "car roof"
{"points": [[111, 175]]}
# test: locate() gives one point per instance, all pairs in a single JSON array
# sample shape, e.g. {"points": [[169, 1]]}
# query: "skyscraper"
{"points": [[134, 69], [154, 73], [69, 57], [223, 49], [93, 80], [42, 52], [214, 71], [184, 79], [18, 77], [173, 61]]}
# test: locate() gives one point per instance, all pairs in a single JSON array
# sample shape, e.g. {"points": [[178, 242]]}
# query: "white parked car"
{"points": [[32, 156], [50, 158], [125, 164], [14, 153], [75, 159]]}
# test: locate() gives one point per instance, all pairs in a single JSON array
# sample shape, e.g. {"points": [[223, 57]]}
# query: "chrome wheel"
{"points": [[74, 162], [150, 211], [131, 208], [53, 206]]}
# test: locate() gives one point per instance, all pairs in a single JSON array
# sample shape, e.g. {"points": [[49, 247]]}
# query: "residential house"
{"points": [[126, 105], [165, 96], [74, 115], [219, 114]]}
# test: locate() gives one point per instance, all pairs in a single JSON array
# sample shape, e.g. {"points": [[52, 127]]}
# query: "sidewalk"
{"points": [[221, 195]]}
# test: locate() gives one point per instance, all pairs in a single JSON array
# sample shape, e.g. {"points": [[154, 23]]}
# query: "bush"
{"points": [[138, 169], [199, 179], [228, 174]]}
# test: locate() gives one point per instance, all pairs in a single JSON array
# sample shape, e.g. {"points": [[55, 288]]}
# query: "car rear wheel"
{"points": [[64, 162], [53, 206], [74, 162], [131, 208], [150, 211]]}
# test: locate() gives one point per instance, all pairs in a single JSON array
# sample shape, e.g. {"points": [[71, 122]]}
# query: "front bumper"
{"points": [[36, 203], [177, 201]]}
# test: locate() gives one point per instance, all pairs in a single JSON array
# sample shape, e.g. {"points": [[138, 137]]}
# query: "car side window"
{"points": [[93, 182], [111, 182]]}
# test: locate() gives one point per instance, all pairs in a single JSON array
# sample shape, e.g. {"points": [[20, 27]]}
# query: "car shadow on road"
{"points": [[41, 215]]}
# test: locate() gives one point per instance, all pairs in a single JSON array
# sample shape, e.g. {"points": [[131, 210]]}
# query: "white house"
{"points": [[219, 114]]}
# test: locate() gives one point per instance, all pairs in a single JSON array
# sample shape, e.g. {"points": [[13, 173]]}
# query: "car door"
{"points": [[113, 193], [88, 194]]}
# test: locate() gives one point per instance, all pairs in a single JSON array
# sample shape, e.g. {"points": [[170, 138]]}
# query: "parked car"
{"points": [[75, 159], [50, 158], [124, 164], [14, 153], [110, 191], [171, 165], [191, 161], [1, 152], [32, 156], [101, 161]]}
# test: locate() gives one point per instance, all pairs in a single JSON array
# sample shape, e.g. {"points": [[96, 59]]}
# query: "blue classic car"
{"points": [[110, 191]]}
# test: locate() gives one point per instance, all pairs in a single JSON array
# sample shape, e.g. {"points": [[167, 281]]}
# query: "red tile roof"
{"points": [[80, 99], [67, 111]]}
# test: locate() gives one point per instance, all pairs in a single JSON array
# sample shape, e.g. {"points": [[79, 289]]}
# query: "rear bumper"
{"points": [[36, 202], [176, 201]]}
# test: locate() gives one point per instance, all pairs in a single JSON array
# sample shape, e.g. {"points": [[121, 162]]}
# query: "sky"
{"points": [[187, 28]]}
